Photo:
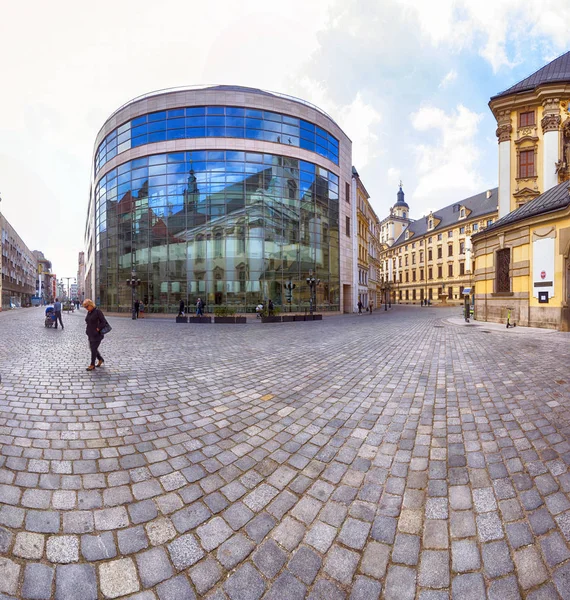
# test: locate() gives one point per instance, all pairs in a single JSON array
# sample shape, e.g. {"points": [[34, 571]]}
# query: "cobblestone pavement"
{"points": [[396, 455]]}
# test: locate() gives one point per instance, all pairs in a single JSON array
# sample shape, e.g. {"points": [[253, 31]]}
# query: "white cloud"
{"points": [[447, 166], [450, 77], [358, 119]]}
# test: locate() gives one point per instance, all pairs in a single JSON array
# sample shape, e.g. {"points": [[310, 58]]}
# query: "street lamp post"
{"points": [[289, 287], [67, 279], [133, 283], [312, 283]]}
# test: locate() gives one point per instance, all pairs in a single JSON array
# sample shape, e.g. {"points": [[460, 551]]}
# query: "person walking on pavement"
{"points": [[199, 307], [95, 321], [270, 307], [371, 306], [181, 309], [137, 308], [360, 305], [57, 312], [141, 310]]}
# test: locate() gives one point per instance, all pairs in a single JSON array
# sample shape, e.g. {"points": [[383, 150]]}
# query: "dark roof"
{"points": [[556, 198], [479, 205], [557, 70]]}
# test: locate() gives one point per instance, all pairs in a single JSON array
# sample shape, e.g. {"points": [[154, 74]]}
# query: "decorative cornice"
{"points": [[504, 132], [550, 123]]}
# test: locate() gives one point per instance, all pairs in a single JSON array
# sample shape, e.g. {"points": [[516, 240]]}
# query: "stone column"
{"points": [[551, 131], [504, 130]]}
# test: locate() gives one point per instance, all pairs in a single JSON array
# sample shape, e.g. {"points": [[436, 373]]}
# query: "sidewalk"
{"points": [[502, 327]]}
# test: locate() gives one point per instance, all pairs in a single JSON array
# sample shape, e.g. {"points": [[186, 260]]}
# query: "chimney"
{"points": [[489, 193]]}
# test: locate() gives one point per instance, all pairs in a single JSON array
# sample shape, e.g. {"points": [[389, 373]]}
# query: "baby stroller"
{"points": [[50, 317]]}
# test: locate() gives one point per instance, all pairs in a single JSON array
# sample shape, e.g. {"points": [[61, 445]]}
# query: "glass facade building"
{"points": [[233, 204]]}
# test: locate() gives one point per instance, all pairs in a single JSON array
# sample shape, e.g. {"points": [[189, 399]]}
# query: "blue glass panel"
{"points": [[215, 131], [125, 175], [231, 155], [320, 131], [254, 123], [112, 135], [176, 123], [291, 120], [254, 157], [307, 126], [177, 112], [195, 110], [250, 112], [195, 121], [235, 121], [307, 135], [307, 167], [235, 111], [272, 116], [308, 145], [157, 136], [123, 189], [139, 141], [123, 168], [157, 126], [253, 134], [175, 157], [292, 140], [157, 116], [175, 134], [215, 110], [235, 132], [120, 139], [213, 155], [156, 159], [138, 121], [215, 121], [195, 132], [111, 154], [272, 126], [290, 130], [140, 130]]}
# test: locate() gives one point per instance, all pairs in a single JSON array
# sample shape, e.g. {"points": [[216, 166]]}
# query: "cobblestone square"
{"points": [[403, 454]]}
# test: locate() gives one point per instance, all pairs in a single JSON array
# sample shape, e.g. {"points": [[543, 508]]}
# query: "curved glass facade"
{"points": [[234, 228], [217, 121]]}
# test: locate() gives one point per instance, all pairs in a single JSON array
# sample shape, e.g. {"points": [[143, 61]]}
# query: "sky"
{"points": [[409, 82]]}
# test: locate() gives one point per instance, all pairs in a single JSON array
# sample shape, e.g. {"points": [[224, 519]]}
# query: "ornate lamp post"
{"points": [[289, 287], [67, 279], [133, 283], [313, 283]]}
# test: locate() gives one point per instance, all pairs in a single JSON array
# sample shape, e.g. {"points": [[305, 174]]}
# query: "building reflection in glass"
{"points": [[227, 226]]}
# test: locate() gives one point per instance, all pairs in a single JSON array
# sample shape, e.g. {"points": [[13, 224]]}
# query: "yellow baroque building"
{"points": [[521, 262], [431, 259]]}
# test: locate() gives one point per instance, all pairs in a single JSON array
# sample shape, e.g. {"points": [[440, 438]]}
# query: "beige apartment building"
{"points": [[431, 258]]}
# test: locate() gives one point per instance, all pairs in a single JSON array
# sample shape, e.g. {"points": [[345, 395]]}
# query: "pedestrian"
{"points": [[57, 312], [95, 320], [137, 308], [270, 307], [360, 305], [371, 306], [141, 310], [181, 309], [199, 307]]}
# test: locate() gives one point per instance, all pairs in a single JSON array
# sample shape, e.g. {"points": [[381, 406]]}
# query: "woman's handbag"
{"points": [[106, 328]]}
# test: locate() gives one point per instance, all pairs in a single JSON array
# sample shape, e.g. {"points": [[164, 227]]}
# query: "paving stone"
{"points": [[245, 584], [470, 586], [365, 589], [29, 545], [260, 526], [98, 547], [554, 549], [384, 529], [465, 556], [496, 559], [118, 578], [75, 581], [237, 515], [62, 549], [375, 559], [305, 565], [154, 567], [400, 583], [504, 589], [519, 535], [269, 558], [213, 533], [177, 588], [531, 569], [43, 521], [434, 569], [321, 536], [132, 540], [489, 527], [435, 535], [234, 551], [406, 549], [340, 564], [185, 551], [38, 581], [562, 580], [289, 533], [205, 575], [286, 586], [354, 533]]}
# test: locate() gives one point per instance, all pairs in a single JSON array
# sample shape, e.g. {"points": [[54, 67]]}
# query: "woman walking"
{"points": [[95, 320]]}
